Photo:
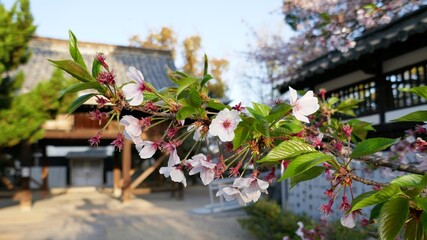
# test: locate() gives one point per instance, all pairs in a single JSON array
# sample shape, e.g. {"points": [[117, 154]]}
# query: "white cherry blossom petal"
{"points": [[146, 149], [304, 106], [224, 124], [135, 75], [348, 220]]}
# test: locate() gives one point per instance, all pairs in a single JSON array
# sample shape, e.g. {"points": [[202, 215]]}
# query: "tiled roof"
{"points": [[152, 63], [379, 38]]}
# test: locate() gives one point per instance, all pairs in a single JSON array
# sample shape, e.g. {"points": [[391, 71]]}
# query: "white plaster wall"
{"points": [[344, 80], [405, 60]]}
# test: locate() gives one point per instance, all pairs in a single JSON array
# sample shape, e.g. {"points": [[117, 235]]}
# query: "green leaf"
{"points": [[176, 76], [420, 91], [261, 109], [96, 68], [184, 83], [408, 180], [348, 103], [262, 127], [333, 100], [360, 128], [303, 163], [185, 112], [392, 217], [421, 203], [240, 135], [74, 50], [82, 86], [418, 116], [255, 114], [79, 101], [375, 212], [307, 175], [287, 149], [413, 230], [374, 197], [371, 146], [74, 69], [214, 104], [294, 126], [424, 222], [195, 98], [205, 65], [205, 79], [346, 107], [278, 111]]}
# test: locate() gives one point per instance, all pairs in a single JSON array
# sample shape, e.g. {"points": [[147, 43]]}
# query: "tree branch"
{"points": [[382, 162], [367, 181]]}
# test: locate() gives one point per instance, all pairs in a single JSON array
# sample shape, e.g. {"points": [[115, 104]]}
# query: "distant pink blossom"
{"points": [[224, 124], [306, 105]]}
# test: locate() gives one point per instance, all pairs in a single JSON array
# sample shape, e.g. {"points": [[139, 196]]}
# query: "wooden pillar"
{"points": [[116, 176], [45, 171], [126, 165], [25, 194]]}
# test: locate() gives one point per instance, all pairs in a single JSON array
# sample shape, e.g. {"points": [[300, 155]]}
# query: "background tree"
{"points": [[163, 40], [191, 46], [23, 120], [16, 29], [323, 26]]}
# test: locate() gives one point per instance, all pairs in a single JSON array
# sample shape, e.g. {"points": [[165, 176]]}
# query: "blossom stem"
{"points": [[109, 121], [191, 150]]}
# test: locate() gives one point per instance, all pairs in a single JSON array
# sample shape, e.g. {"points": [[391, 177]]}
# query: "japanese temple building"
{"points": [[384, 59], [64, 158]]}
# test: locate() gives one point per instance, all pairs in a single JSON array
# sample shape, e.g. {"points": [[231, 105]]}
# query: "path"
{"points": [[95, 215]]}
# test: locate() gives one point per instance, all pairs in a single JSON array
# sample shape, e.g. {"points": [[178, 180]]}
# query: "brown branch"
{"points": [[382, 162], [367, 181]]}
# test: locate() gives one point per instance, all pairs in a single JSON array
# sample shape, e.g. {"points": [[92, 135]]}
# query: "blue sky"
{"points": [[224, 25]]}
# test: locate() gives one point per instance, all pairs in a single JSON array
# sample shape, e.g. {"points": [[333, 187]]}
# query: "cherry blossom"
{"points": [[198, 135], [299, 232], [134, 91], [224, 124], [306, 105], [146, 149], [349, 220], [172, 170], [205, 168], [133, 128], [232, 193], [251, 187]]}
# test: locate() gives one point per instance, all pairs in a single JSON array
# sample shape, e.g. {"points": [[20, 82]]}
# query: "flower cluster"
{"points": [[250, 143]]}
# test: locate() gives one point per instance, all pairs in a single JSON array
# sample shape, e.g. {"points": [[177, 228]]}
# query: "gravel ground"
{"points": [[97, 215]]}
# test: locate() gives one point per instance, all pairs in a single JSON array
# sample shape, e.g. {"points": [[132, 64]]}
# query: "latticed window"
{"points": [[412, 76], [363, 91]]}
